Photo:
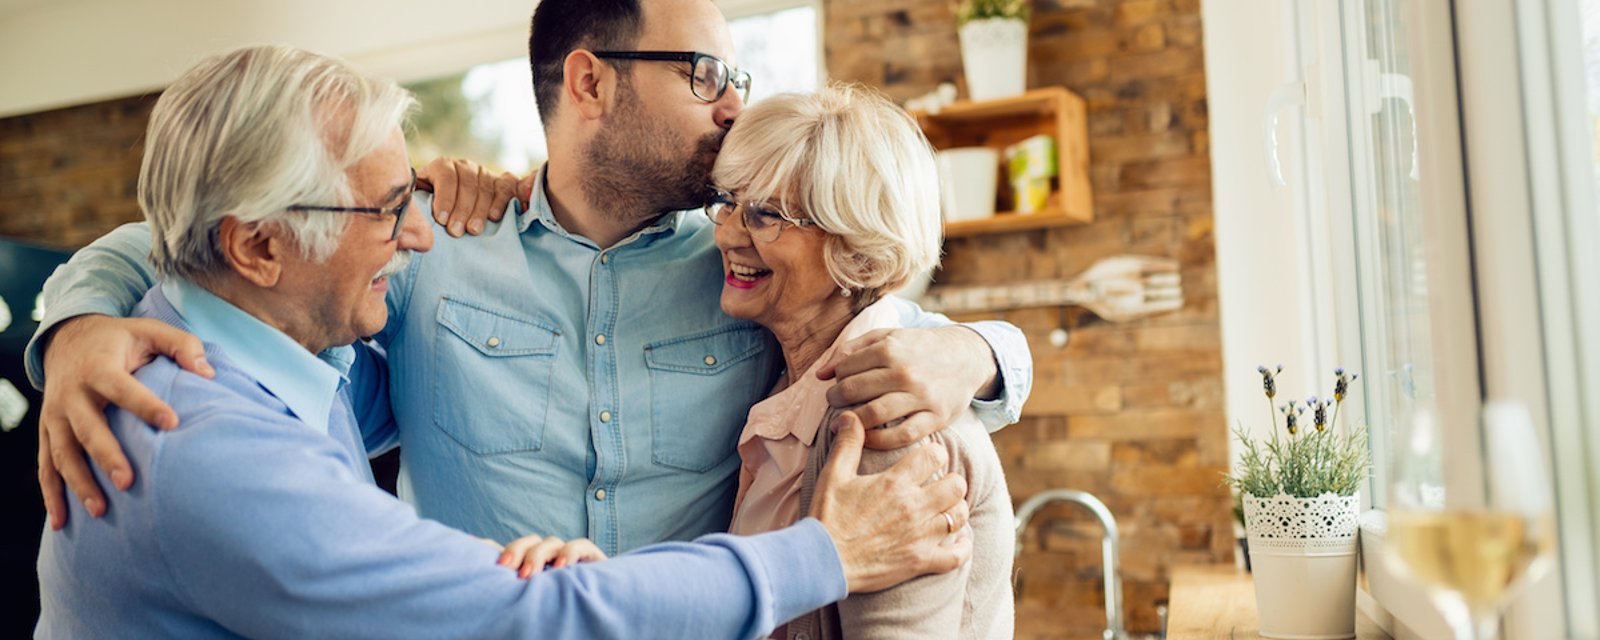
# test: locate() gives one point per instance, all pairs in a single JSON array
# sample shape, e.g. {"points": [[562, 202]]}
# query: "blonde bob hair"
{"points": [[854, 163], [249, 133]]}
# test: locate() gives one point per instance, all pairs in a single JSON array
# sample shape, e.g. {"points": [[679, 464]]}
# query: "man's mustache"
{"points": [[399, 261]]}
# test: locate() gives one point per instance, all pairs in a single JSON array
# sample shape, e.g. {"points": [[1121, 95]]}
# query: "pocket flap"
{"points": [[496, 333], [709, 352]]}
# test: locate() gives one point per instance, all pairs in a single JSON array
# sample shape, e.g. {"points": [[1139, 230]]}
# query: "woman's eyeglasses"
{"points": [[761, 223], [399, 210], [709, 76]]}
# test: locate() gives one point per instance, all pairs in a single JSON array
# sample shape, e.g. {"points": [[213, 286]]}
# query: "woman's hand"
{"points": [[531, 554]]}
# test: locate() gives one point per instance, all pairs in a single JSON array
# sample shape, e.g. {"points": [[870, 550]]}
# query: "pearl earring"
{"points": [[844, 291]]}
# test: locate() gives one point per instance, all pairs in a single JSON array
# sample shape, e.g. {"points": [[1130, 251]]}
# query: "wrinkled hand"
{"points": [[890, 527], [465, 194], [531, 554], [925, 377], [88, 363]]}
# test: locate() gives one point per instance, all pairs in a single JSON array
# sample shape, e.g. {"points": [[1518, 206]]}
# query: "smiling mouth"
{"points": [[746, 274]]}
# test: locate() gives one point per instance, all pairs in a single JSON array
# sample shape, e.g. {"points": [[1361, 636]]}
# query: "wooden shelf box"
{"points": [[1007, 121]]}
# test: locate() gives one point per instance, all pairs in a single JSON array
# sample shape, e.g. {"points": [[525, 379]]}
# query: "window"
{"points": [[487, 113], [1445, 156], [781, 48]]}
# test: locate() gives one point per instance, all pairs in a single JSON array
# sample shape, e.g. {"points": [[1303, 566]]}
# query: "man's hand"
{"points": [[890, 527], [465, 194], [925, 376], [88, 363]]}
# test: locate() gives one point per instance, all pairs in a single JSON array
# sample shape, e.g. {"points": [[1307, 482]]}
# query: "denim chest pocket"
{"points": [[492, 387], [701, 389]]}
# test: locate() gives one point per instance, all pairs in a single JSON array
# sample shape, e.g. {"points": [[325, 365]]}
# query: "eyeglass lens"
{"points": [[760, 224], [711, 79]]}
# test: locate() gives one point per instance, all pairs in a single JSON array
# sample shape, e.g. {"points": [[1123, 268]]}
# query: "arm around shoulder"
{"points": [[1013, 362], [108, 277]]}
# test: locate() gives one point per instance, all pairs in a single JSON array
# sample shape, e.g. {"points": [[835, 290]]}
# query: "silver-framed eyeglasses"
{"points": [[762, 223], [399, 210], [709, 76]]}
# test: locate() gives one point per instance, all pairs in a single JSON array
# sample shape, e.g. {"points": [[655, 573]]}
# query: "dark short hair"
{"points": [[562, 26]]}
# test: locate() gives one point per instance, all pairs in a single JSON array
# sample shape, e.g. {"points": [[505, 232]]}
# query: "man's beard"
{"points": [[636, 169]]}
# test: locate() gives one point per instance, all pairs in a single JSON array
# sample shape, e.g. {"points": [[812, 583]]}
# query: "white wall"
{"points": [[1262, 268], [77, 51]]}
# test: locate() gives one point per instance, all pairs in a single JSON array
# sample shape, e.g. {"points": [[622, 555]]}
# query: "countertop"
{"points": [[1219, 601]]}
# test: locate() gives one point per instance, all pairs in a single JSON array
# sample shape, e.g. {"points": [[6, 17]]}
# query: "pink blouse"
{"points": [[777, 437]]}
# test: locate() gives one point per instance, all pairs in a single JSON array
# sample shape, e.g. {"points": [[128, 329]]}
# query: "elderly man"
{"points": [[277, 190], [570, 372]]}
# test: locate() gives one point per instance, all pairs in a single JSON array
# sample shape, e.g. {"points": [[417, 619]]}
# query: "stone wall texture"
{"points": [[70, 175]]}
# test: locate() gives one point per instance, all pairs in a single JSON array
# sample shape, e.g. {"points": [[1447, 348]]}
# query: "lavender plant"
{"points": [[969, 10], [1328, 458]]}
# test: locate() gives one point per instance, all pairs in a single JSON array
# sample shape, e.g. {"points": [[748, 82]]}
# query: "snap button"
{"points": [[604, 258], [600, 494], [600, 339], [605, 416], [494, 341], [711, 360]]}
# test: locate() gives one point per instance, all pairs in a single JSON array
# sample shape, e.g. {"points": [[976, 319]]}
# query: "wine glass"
{"points": [[1472, 545]]}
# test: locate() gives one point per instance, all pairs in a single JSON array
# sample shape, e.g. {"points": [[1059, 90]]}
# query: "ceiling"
{"points": [[9, 7]]}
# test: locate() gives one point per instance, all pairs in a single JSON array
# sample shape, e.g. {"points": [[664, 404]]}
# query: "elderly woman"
{"points": [[824, 203]]}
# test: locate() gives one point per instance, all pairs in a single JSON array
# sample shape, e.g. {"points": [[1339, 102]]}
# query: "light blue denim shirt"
{"points": [[542, 384], [258, 518]]}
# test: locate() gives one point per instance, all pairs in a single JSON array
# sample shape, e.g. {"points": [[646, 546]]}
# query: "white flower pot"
{"points": [[994, 52], [1303, 551]]}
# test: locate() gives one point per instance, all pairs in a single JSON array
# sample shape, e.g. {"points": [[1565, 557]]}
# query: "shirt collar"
{"points": [[798, 409], [307, 384], [538, 211]]}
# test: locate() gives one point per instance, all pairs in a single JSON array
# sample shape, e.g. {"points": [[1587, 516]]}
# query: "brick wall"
{"points": [[69, 175], [1132, 412]]}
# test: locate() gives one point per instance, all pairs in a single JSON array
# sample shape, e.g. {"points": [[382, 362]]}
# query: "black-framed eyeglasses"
{"points": [[398, 210], [760, 222], [709, 76]]}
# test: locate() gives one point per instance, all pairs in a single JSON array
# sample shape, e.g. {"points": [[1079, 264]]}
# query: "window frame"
{"points": [[1544, 173], [1347, 132], [1506, 308]]}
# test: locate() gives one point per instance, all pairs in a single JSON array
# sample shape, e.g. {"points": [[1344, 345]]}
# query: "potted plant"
{"points": [[994, 47], [1301, 494]]}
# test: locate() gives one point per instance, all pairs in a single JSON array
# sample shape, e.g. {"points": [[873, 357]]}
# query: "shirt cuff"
{"points": [[1014, 365]]}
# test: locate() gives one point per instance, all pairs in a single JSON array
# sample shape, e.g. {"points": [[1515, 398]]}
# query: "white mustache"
{"points": [[400, 260]]}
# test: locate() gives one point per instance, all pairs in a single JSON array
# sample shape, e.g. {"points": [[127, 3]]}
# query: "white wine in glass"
{"points": [[1472, 552], [1480, 555]]}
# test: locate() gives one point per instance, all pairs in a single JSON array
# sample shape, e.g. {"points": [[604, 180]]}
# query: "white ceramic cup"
{"points": [[967, 177]]}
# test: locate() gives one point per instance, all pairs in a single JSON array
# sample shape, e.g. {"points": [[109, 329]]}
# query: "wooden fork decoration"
{"points": [[1118, 289]]}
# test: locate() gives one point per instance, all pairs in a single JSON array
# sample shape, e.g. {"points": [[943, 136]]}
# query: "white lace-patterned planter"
{"points": [[1303, 553], [994, 52]]}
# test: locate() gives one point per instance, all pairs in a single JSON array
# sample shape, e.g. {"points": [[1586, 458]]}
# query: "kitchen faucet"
{"points": [[1108, 544]]}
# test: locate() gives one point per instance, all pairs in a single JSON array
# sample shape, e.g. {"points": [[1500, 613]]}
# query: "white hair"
{"points": [[853, 162], [247, 134]]}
